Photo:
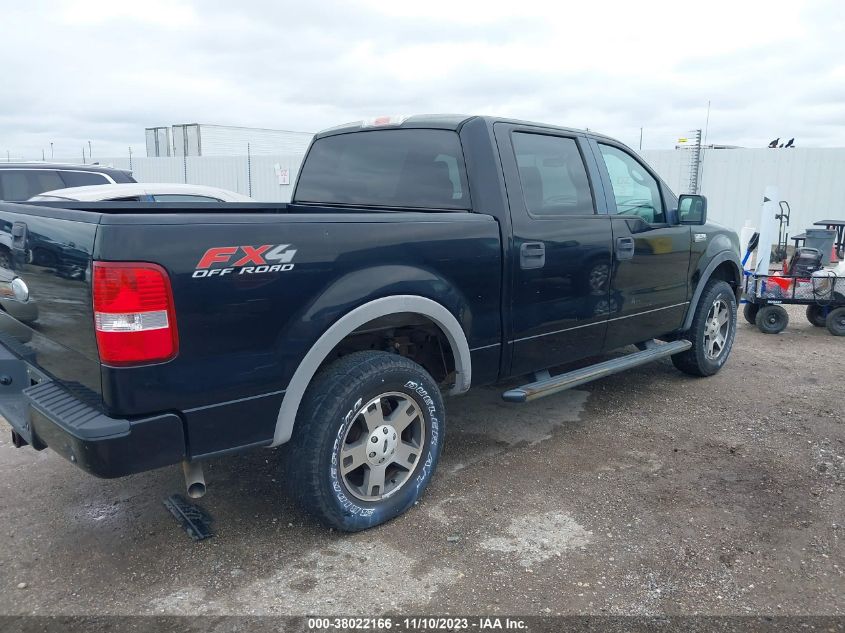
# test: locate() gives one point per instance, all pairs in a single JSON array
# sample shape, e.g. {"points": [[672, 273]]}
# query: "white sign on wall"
{"points": [[282, 174]]}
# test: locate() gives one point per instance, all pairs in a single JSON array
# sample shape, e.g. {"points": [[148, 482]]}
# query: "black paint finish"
{"points": [[242, 336]]}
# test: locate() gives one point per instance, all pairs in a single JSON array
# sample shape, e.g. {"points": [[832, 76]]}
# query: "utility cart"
{"points": [[823, 294]]}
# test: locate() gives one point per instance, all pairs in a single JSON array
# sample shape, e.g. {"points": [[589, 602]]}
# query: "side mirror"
{"points": [[692, 209]]}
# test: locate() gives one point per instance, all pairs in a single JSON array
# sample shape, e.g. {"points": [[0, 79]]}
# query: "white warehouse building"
{"points": [[200, 139]]}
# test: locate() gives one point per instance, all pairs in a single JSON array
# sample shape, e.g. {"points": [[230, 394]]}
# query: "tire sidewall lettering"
{"points": [[334, 474], [425, 472], [354, 507]]}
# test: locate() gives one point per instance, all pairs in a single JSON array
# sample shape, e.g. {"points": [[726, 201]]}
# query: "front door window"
{"points": [[636, 191]]}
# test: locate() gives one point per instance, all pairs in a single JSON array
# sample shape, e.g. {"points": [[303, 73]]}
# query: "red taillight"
{"points": [[133, 313]]}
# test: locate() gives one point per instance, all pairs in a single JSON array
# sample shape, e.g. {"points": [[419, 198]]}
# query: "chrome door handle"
{"points": [[624, 248], [532, 255]]}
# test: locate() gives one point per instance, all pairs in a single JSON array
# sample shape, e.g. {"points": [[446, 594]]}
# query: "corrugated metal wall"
{"points": [[221, 140], [235, 173], [199, 139], [812, 180]]}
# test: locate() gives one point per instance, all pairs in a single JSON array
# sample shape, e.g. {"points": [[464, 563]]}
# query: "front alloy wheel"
{"points": [[717, 328], [712, 331]]}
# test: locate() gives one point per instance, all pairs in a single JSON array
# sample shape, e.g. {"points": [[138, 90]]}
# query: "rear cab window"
{"points": [[405, 168]]}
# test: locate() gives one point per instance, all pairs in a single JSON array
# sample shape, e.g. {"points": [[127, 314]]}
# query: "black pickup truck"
{"points": [[419, 256]]}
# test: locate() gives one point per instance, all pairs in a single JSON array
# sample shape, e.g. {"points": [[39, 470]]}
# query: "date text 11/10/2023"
{"points": [[419, 623]]}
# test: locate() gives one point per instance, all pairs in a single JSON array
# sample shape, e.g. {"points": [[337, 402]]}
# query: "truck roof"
{"points": [[439, 122]]}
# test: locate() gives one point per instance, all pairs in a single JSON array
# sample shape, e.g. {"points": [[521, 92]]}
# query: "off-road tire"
{"points": [[836, 322], [817, 315], [695, 361], [330, 407], [749, 312], [772, 319]]}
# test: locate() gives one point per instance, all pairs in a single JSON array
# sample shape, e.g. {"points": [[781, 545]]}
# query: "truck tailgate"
{"points": [[45, 269]]}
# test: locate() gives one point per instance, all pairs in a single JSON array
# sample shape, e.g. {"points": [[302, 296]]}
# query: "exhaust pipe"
{"points": [[194, 479]]}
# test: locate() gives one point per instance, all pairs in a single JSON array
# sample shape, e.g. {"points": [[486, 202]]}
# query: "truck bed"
{"points": [[241, 334]]}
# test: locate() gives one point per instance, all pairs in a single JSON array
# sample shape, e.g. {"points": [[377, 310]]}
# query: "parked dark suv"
{"points": [[21, 181]]}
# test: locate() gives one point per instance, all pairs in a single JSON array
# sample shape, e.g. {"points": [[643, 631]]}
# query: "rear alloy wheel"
{"points": [[817, 315], [749, 312], [381, 446], [712, 332], [836, 322], [772, 319], [366, 440]]}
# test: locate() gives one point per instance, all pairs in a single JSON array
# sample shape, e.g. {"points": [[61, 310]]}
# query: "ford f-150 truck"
{"points": [[419, 256]]}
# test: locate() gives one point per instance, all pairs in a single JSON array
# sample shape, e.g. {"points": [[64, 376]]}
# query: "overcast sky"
{"points": [[103, 70]]}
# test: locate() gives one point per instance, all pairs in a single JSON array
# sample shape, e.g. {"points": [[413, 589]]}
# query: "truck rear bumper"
{"points": [[50, 414]]}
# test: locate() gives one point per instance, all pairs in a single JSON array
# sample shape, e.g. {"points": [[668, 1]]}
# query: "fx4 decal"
{"points": [[246, 260]]}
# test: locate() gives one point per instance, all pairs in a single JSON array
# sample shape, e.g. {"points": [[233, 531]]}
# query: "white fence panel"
{"points": [[811, 180], [257, 176], [226, 172]]}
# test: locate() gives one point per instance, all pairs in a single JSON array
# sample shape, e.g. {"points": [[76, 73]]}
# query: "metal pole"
{"points": [[42, 155], [249, 170], [130, 158], [83, 155], [51, 150], [695, 163], [90, 156], [703, 151], [185, 152], [641, 139]]}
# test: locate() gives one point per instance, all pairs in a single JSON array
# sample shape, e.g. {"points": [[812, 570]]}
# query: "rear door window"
{"points": [[414, 168], [14, 185], [83, 178], [553, 177], [22, 184]]}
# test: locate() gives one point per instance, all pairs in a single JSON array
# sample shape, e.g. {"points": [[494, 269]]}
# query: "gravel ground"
{"points": [[645, 493]]}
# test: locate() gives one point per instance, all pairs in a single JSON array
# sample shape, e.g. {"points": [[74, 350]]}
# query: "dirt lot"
{"points": [[646, 493]]}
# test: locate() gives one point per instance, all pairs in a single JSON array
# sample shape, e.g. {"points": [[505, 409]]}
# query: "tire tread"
{"points": [[693, 361], [303, 455], [832, 321]]}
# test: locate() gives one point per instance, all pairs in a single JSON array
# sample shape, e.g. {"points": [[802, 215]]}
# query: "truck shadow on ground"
{"points": [[480, 426]]}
